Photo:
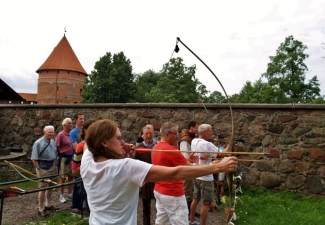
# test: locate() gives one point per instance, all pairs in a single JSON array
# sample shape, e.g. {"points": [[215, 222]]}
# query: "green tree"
{"points": [[259, 92], [216, 97], [144, 83], [110, 81], [286, 72], [175, 83]]}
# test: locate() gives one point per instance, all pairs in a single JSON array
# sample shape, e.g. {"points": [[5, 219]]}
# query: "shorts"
{"points": [[65, 170], [171, 209], [188, 190], [44, 173], [204, 190]]}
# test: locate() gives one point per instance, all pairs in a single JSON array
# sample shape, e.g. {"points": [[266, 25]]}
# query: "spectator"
{"points": [[204, 185], [76, 162], [75, 139], [65, 152], [185, 144], [146, 192], [43, 156], [169, 195]]}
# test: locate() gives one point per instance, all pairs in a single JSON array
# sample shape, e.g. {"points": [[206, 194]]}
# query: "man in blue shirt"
{"points": [[43, 155], [75, 139]]}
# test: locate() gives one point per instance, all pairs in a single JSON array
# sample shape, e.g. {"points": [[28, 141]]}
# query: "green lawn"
{"points": [[260, 207]]}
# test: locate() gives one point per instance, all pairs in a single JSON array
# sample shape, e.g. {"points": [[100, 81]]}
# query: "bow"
{"points": [[230, 148]]}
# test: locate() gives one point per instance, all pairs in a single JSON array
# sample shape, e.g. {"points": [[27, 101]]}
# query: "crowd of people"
{"points": [[61, 156], [175, 171]]}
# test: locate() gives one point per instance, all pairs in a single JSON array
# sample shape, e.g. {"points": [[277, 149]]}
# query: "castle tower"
{"points": [[61, 77]]}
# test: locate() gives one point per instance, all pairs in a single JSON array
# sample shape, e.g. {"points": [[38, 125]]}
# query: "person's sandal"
{"points": [[51, 208], [43, 213]]}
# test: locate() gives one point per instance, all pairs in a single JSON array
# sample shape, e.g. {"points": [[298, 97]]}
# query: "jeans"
{"points": [[79, 195]]}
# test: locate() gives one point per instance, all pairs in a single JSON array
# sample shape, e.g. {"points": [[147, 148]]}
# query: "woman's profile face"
{"points": [[115, 143]]}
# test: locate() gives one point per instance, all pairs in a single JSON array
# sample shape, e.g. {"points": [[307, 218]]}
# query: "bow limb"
{"points": [[230, 147]]}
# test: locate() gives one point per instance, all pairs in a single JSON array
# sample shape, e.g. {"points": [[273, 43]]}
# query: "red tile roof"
{"points": [[29, 97], [63, 58]]}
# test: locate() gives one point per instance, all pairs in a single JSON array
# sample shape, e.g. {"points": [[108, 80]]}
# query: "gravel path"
{"points": [[21, 209]]}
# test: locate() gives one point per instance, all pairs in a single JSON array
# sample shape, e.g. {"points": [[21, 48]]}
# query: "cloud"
{"points": [[22, 82], [234, 38]]}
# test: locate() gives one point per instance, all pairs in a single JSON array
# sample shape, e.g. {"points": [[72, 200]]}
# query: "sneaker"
{"points": [[51, 208], [70, 196], [75, 210], [43, 213], [194, 223], [62, 199]]}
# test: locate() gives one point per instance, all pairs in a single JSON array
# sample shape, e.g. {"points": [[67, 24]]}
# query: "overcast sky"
{"points": [[233, 37]]}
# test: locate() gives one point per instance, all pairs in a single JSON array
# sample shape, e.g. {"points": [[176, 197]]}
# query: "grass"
{"points": [[254, 206], [257, 207], [260, 207], [62, 218]]}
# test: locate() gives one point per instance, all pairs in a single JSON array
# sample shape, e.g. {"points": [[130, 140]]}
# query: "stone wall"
{"points": [[295, 132]]}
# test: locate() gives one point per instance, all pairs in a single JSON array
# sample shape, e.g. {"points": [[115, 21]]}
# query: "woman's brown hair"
{"points": [[97, 133]]}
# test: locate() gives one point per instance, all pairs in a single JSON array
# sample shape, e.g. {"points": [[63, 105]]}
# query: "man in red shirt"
{"points": [[170, 199], [65, 153]]}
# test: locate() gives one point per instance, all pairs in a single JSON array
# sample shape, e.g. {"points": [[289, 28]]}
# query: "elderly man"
{"points": [[146, 192], [65, 151], [170, 199], [203, 186], [43, 155]]}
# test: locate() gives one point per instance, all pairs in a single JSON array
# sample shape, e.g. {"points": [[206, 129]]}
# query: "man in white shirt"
{"points": [[203, 186]]}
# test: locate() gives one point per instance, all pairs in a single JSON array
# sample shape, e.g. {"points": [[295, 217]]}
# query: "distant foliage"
{"points": [[111, 81], [283, 82], [285, 79], [175, 83]]}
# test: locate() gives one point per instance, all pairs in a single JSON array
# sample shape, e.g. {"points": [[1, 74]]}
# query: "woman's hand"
{"points": [[193, 158]]}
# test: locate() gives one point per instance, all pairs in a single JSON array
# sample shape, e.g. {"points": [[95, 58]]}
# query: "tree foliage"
{"points": [[175, 83], [145, 82], [258, 92], [216, 97], [286, 73], [110, 81]]}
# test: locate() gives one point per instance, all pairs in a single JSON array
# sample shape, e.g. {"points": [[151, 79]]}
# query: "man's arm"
{"points": [[160, 173], [74, 145], [35, 162]]}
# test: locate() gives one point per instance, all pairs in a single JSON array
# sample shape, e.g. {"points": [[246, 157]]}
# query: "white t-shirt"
{"points": [[200, 145], [113, 188]]}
